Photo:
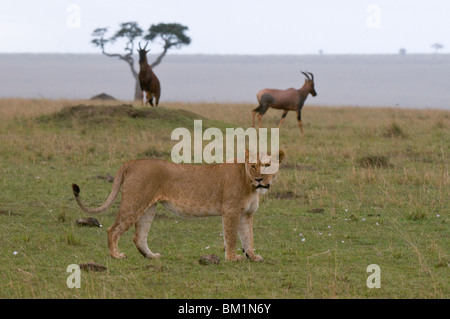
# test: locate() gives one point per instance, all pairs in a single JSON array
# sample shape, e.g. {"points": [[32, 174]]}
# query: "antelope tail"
{"points": [[118, 179]]}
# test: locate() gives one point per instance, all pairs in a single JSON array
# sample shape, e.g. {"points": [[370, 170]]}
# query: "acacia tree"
{"points": [[437, 47], [172, 34]]}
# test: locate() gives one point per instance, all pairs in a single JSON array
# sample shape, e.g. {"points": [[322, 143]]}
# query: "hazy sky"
{"points": [[234, 26]]}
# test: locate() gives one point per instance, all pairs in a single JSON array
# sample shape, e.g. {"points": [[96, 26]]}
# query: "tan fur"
{"points": [[230, 190]]}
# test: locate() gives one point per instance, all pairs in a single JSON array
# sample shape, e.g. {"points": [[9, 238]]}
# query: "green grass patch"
{"points": [[331, 212]]}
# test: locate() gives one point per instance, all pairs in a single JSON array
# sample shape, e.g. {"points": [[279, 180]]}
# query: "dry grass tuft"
{"points": [[394, 131], [374, 161]]}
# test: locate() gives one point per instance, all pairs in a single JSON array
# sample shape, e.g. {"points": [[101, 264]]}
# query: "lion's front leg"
{"points": [[230, 220], [246, 235]]}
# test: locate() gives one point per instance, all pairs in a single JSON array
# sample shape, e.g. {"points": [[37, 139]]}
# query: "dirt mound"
{"points": [[103, 96], [107, 113], [83, 111]]}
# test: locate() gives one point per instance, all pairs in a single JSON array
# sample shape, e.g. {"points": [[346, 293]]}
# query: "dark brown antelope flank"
{"points": [[147, 79], [286, 100]]}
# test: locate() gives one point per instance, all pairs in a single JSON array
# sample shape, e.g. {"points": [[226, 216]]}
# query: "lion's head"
{"points": [[264, 171]]}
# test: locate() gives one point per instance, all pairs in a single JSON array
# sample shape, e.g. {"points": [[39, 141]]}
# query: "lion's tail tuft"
{"points": [[76, 190], [118, 179]]}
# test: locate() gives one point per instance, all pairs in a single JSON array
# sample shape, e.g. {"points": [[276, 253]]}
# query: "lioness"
{"points": [[230, 190]]}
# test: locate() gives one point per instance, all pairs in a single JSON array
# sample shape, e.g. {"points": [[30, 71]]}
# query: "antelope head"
{"points": [[309, 82], [143, 53]]}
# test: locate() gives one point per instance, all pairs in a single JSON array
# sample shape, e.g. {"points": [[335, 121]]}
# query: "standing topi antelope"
{"points": [[286, 100], [147, 79]]}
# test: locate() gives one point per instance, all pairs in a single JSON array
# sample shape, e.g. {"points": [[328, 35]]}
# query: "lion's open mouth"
{"points": [[263, 186]]}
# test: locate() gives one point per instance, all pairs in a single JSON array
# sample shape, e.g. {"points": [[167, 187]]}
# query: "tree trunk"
{"points": [[137, 87], [137, 91]]}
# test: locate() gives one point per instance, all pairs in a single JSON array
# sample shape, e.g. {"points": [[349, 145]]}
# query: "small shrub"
{"points": [[70, 239], [61, 217], [416, 215], [442, 263], [439, 125], [26, 238], [394, 131], [374, 161], [155, 153]]}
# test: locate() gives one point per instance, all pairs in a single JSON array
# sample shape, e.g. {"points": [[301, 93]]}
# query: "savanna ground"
{"points": [[381, 176]]}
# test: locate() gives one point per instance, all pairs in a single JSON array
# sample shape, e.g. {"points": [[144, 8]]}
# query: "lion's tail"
{"points": [[118, 179]]}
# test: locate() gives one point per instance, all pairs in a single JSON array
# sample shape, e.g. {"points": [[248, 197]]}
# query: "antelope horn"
{"points": [[140, 46], [307, 76], [312, 76], [145, 45]]}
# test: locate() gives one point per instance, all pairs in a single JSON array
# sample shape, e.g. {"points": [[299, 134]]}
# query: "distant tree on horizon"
{"points": [[437, 46], [172, 35]]}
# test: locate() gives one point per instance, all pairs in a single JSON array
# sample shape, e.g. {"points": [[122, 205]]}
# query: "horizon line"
{"points": [[250, 54]]}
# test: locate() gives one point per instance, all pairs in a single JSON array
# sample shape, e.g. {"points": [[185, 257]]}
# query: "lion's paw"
{"points": [[256, 258], [234, 258], [119, 256]]}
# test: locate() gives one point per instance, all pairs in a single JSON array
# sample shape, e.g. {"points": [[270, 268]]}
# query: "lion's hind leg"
{"points": [[114, 233], [128, 215], [142, 226]]}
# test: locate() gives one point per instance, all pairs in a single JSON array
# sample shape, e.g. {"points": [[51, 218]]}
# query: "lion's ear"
{"points": [[281, 156]]}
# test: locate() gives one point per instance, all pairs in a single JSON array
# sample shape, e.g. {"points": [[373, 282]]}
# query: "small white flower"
{"points": [[100, 225], [51, 210], [342, 241], [329, 227], [301, 235], [207, 247], [329, 234], [438, 215], [303, 239], [320, 233], [346, 210], [363, 219], [377, 224], [15, 253]]}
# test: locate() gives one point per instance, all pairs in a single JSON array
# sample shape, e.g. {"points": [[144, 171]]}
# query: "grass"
{"points": [[373, 161], [383, 186]]}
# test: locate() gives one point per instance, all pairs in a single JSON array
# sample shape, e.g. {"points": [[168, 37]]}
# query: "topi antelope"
{"points": [[147, 79], [286, 100]]}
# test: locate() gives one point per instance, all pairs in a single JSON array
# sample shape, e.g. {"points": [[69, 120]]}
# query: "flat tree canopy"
{"points": [[173, 35]]}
